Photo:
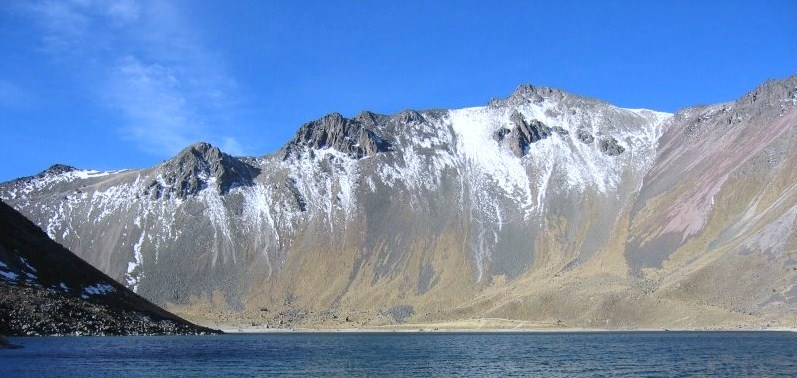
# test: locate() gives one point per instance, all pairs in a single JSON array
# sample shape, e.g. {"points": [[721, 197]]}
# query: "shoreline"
{"points": [[390, 330], [481, 325], [231, 329], [496, 330]]}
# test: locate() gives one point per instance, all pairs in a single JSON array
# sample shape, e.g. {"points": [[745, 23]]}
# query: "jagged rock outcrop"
{"points": [[410, 117], [527, 93], [610, 147], [370, 119], [585, 136], [57, 169], [196, 167], [524, 133], [354, 137]]}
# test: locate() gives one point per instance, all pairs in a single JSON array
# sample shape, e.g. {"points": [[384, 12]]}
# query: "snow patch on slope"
{"points": [[488, 164], [327, 180], [27, 186], [97, 289], [134, 275], [260, 219]]}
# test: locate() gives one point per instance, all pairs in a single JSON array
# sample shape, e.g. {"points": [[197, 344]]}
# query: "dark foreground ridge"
{"points": [[47, 290], [5, 344]]}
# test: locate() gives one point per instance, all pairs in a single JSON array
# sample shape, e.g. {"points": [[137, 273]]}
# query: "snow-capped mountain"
{"points": [[544, 206]]}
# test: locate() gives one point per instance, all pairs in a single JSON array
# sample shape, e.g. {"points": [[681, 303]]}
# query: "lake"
{"points": [[424, 354]]}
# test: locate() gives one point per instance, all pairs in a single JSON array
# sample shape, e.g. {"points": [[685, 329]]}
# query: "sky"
{"points": [[118, 84]]}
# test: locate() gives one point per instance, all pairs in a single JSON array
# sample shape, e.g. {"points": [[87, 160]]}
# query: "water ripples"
{"points": [[410, 354]]}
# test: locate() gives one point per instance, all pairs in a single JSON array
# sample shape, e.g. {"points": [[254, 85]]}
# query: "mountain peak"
{"points": [[536, 94], [774, 92], [370, 119], [198, 166], [200, 146], [356, 137], [57, 169], [410, 116], [200, 150], [528, 93], [771, 99]]}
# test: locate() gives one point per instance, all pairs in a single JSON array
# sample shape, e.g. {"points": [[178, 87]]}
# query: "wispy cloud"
{"points": [[143, 61], [151, 97]]}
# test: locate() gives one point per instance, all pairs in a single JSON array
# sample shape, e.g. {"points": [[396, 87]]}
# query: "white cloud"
{"points": [[143, 61]]}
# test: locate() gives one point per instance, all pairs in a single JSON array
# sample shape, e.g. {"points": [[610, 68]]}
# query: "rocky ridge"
{"points": [[544, 206], [354, 137]]}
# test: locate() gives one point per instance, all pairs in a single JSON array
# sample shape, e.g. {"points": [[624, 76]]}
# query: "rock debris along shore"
{"points": [[543, 206], [47, 290]]}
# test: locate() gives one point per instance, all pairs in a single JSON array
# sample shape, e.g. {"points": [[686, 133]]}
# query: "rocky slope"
{"points": [[47, 290], [544, 206]]}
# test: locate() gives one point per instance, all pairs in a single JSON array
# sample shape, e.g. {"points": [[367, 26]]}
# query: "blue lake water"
{"points": [[413, 354]]}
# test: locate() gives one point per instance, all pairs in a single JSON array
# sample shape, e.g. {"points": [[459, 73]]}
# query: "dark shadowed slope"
{"points": [[45, 289]]}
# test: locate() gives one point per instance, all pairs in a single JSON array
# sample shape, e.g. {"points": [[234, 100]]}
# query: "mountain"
{"points": [[545, 207], [47, 290]]}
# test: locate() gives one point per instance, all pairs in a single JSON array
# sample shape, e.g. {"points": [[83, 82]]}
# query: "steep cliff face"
{"points": [[543, 206]]}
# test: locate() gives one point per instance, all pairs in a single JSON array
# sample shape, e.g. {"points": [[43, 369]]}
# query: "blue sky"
{"points": [[128, 83]]}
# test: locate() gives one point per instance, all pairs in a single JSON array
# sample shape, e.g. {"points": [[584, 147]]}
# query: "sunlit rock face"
{"points": [[544, 206]]}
